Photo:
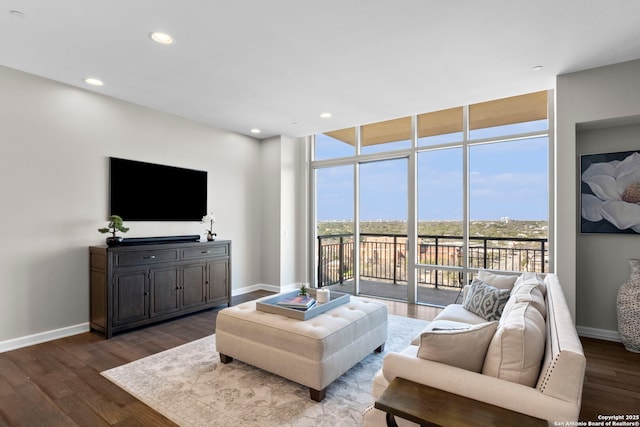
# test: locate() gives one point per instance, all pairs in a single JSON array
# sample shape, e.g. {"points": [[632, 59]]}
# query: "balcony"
{"points": [[383, 263]]}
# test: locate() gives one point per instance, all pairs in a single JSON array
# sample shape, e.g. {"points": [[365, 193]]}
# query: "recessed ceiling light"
{"points": [[17, 13], [325, 115], [93, 81], [537, 68], [162, 38], [254, 130]]}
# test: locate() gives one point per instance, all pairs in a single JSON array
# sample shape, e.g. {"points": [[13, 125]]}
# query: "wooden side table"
{"points": [[430, 406]]}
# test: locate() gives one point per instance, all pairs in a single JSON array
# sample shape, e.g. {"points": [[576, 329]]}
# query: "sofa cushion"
{"points": [[500, 281], [516, 350], [485, 300], [528, 287], [530, 293], [457, 313], [531, 278], [463, 348]]}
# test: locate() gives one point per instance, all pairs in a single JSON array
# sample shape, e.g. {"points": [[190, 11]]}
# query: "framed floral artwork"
{"points": [[610, 193]]}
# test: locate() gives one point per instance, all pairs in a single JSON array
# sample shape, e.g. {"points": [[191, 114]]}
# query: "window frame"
{"points": [[411, 154]]}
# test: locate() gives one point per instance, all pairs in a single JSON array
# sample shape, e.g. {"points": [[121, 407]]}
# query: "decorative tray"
{"points": [[270, 305]]}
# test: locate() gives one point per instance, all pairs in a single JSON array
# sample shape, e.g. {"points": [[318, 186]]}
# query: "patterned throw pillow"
{"points": [[485, 300]]}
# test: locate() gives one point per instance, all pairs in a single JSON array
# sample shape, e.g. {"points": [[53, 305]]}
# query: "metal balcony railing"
{"points": [[383, 257]]}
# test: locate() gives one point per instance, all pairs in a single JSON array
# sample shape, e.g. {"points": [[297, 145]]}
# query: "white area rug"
{"points": [[189, 385]]}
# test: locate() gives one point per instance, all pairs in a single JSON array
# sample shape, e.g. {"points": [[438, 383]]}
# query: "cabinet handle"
{"points": [[150, 257], [205, 252], [146, 293]]}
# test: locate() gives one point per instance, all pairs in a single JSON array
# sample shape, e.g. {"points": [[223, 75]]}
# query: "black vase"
{"points": [[114, 241]]}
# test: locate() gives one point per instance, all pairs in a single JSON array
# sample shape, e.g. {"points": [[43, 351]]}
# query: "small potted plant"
{"points": [[303, 290], [115, 224], [211, 236]]}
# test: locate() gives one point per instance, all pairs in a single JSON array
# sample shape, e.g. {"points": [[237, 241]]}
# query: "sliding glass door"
{"points": [[335, 227], [383, 228]]}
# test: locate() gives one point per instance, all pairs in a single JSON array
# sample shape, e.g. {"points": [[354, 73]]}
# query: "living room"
{"points": [[58, 138]]}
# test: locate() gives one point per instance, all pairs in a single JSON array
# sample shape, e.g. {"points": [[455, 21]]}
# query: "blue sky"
{"points": [[507, 179]]}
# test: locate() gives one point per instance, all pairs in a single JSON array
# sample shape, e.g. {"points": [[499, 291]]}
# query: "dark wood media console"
{"points": [[135, 285]]}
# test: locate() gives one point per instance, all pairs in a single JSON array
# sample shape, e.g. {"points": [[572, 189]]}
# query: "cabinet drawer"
{"points": [[145, 257], [205, 252]]}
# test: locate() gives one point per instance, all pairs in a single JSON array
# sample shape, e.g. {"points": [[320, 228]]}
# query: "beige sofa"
{"points": [[529, 361]]}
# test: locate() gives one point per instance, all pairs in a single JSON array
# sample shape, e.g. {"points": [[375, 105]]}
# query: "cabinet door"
{"points": [[164, 291], [218, 282], [193, 278], [130, 296]]}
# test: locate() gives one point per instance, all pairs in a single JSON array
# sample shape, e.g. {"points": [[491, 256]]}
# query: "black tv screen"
{"points": [[140, 191]]}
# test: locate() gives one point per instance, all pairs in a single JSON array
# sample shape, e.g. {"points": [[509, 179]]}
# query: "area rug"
{"points": [[190, 386]]}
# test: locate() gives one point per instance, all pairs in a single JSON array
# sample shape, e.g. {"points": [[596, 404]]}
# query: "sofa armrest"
{"points": [[509, 395]]}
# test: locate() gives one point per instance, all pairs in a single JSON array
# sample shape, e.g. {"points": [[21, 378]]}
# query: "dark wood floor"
{"points": [[59, 383]]}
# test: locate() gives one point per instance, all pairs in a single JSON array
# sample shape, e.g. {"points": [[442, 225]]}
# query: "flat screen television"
{"points": [[140, 191]]}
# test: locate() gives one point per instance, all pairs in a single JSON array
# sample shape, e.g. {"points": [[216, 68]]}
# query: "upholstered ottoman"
{"points": [[312, 352]]}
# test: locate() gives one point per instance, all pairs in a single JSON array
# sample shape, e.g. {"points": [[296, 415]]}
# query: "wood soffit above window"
{"points": [[516, 109], [506, 111], [387, 131], [440, 122], [347, 135]]}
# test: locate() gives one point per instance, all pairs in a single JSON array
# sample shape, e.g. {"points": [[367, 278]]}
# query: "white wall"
{"points": [[270, 211], [606, 93], [294, 218], [55, 144], [284, 207], [602, 258]]}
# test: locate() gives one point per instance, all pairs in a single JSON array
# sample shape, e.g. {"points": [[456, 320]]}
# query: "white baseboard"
{"points": [[265, 287], [41, 337], [601, 334], [247, 289], [16, 343]]}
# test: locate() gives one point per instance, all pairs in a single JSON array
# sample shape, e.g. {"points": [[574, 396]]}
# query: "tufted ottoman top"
{"points": [[315, 338]]}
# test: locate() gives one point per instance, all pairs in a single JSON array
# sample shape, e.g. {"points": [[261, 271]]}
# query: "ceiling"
{"points": [[276, 65]]}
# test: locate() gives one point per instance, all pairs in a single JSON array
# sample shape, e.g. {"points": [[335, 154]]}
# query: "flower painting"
{"points": [[610, 193]]}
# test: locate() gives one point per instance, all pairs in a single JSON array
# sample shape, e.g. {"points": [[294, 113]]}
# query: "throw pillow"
{"points": [[486, 301], [500, 281], [462, 348], [437, 325]]}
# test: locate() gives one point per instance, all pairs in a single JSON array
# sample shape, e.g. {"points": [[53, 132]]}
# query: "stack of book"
{"points": [[298, 302]]}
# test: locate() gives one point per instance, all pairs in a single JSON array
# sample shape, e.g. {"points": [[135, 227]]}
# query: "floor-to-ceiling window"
{"points": [[334, 209], [383, 228], [423, 202]]}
